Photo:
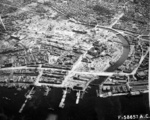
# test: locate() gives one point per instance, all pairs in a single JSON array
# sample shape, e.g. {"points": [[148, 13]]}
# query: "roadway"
{"points": [[121, 60]]}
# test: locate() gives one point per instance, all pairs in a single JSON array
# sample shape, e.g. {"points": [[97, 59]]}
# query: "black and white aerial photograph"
{"points": [[74, 59]]}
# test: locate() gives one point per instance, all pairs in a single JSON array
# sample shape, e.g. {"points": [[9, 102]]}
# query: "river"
{"points": [[90, 107]]}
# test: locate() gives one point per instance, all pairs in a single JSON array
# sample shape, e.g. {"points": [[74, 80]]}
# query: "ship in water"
{"points": [[44, 50]]}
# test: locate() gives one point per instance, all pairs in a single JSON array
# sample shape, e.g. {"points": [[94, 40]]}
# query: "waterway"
{"points": [[90, 107], [121, 60]]}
